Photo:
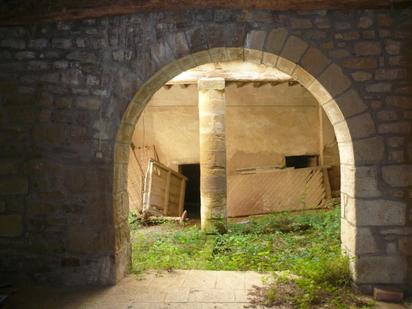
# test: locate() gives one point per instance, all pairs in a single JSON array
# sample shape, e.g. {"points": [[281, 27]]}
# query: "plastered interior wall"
{"points": [[263, 125]]}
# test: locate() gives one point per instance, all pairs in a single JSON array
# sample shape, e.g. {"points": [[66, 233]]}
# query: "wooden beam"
{"points": [[28, 11]]}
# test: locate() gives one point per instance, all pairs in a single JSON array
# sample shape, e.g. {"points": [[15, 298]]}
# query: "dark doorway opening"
{"points": [[301, 161], [192, 194]]}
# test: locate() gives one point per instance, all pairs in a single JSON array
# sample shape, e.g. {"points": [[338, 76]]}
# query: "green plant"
{"points": [[305, 245]]}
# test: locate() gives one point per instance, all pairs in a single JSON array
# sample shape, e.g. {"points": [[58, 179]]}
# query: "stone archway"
{"points": [[359, 147]]}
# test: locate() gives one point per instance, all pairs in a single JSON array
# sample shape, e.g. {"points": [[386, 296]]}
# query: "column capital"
{"points": [[217, 83]]}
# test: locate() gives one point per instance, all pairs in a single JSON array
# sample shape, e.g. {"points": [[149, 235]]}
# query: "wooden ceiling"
{"points": [[26, 11]]}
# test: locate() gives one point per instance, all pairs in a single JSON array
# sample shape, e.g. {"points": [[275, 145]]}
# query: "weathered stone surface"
{"points": [[397, 175], [255, 39], [314, 61], [399, 101], [358, 240], [90, 70], [350, 103], [405, 245], [334, 80], [368, 48], [11, 225], [294, 49], [361, 126], [347, 36], [361, 76], [379, 87], [392, 47], [90, 103], [403, 127], [360, 63], [381, 269], [390, 74], [369, 150], [14, 185], [377, 212], [365, 185], [212, 154]]}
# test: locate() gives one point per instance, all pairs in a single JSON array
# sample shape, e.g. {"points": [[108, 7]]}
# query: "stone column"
{"points": [[212, 154]]}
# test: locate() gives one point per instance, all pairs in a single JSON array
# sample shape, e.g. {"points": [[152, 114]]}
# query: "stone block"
{"points": [[294, 49], [360, 182], [333, 112], [89, 103], [334, 80], [361, 126], [378, 212], [62, 43], [365, 22], [314, 61], [11, 225], [14, 185], [300, 23], [82, 56], [368, 48], [390, 74], [269, 59], [302, 76], [253, 56], [358, 240], [369, 150], [400, 127], [399, 101], [350, 103], [405, 245], [387, 295], [275, 40], [392, 47], [285, 65], [13, 43], [38, 43], [387, 115], [255, 39], [9, 166], [397, 175], [24, 55], [320, 93], [86, 239], [361, 76], [360, 63], [218, 54], [347, 36], [380, 269]]}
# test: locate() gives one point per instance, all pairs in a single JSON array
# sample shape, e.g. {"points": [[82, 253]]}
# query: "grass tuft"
{"points": [[304, 247]]}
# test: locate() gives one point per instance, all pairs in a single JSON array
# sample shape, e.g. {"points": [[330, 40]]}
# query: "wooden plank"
{"points": [[163, 190], [166, 197], [281, 190], [326, 182]]}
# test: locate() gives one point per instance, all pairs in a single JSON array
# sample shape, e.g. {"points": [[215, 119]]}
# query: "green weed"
{"points": [[305, 244]]}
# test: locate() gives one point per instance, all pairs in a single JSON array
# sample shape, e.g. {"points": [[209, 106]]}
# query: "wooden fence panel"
{"points": [[164, 191], [276, 190]]}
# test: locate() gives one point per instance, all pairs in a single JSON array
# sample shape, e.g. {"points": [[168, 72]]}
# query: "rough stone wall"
{"points": [[65, 86]]}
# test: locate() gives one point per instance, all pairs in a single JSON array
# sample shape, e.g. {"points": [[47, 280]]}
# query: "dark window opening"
{"points": [[192, 193], [301, 161]]}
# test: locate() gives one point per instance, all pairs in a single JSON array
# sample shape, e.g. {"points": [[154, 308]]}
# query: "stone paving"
{"points": [[181, 289], [177, 289]]}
